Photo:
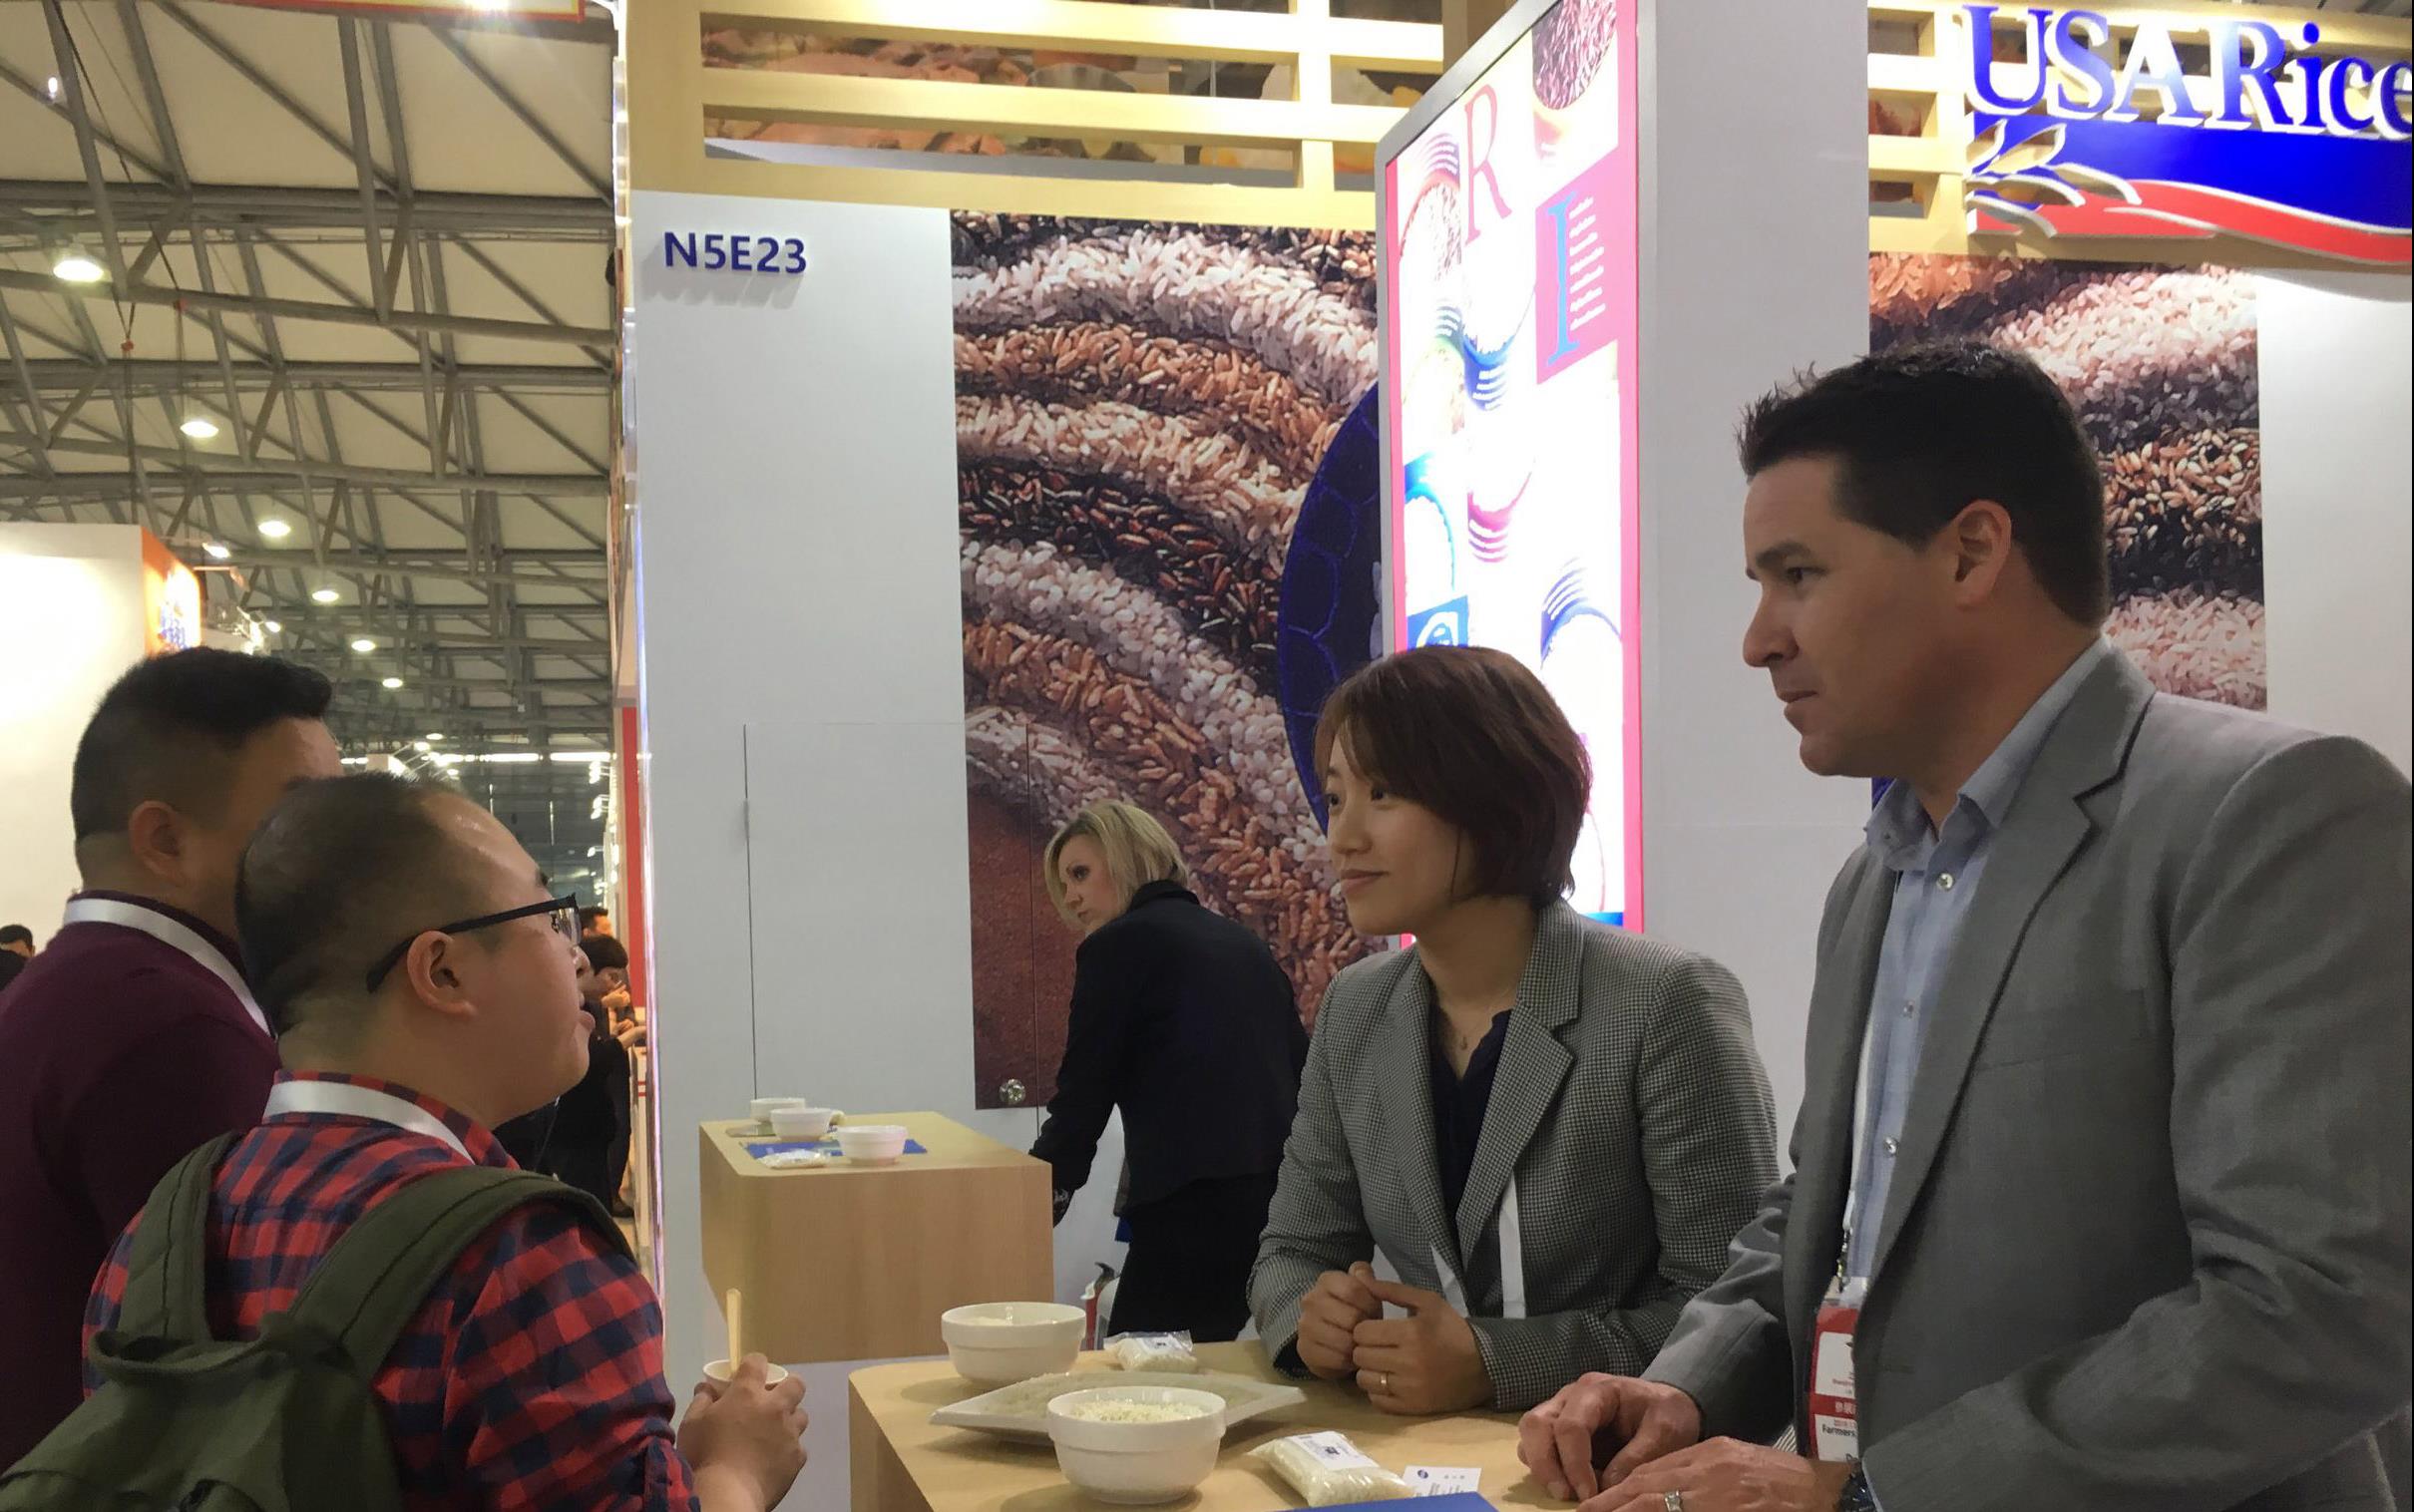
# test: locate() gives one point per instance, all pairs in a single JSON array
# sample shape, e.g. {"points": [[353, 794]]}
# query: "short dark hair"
{"points": [[1472, 734], [168, 729], [342, 868], [605, 953], [593, 912], [15, 934], [1920, 431]]}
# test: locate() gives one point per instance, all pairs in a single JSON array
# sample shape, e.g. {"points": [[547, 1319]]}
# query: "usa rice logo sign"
{"points": [[2082, 130]]}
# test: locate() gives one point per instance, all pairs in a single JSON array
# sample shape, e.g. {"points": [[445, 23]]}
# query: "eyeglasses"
{"points": [[565, 912]]}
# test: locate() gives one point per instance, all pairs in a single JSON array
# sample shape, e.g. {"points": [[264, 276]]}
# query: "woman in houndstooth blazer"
{"points": [[1550, 1127]]}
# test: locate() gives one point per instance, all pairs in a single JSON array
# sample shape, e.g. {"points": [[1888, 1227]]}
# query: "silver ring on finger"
{"points": [[1672, 1501], [1386, 1389]]}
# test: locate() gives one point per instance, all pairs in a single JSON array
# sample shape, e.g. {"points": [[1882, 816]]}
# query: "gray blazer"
{"points": [[1629, 1107], [2147, 1243]]}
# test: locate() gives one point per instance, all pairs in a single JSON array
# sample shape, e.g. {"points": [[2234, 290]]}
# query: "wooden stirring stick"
{"points": [[731, 1302]]}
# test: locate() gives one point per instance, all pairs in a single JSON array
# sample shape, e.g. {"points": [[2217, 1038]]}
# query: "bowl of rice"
{"points": [[997, 1343], [1136, 1446]]}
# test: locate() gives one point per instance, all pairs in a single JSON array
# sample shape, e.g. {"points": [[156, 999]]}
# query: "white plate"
{"points": [[1019, 1411]]}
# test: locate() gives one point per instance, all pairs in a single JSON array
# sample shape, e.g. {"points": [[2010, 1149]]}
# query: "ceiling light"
{"points": [[75, 267], [419, 745], [435, 735], [275, 626], [391, 683], [215, 550], [364, 646], [587, 756], [199, 427], [324, 596], [276, 529], [51, 85]]}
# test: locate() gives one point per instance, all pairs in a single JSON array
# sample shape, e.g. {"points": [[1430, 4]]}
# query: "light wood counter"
{"points": [[845, 1262], [901, 1463]]}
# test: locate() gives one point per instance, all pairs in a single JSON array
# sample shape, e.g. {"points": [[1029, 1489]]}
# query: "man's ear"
{"points": [[158, 837], [433, 967], [1981, 541]]}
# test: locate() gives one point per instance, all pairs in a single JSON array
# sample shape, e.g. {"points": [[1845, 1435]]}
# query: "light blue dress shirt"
{"points": [[1936, 875]]}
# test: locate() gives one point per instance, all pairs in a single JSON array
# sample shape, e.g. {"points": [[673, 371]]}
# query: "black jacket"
{"points": [[1182, 1019]]}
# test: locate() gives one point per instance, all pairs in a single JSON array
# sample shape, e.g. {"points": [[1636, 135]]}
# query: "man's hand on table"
{"points": [[1427, 1362], [1726, 1475], [1633, 1422], [1651, 1436], [745, 1440]]}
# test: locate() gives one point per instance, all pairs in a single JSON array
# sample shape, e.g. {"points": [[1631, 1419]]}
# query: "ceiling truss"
{"points": [[410, 365]]}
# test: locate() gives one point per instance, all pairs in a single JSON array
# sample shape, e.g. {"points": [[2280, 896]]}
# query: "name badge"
{"points": [[1834, 1407]]}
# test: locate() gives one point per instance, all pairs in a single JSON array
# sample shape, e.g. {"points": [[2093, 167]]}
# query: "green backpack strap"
{"points": [[379, 1274], [165, 1294]]}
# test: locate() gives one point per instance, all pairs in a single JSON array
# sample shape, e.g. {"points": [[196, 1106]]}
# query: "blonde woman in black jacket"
{"points": [[1182, 1019]]}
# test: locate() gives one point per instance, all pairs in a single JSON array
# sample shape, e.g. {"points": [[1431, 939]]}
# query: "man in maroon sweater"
{"points": [[132, 1038]]}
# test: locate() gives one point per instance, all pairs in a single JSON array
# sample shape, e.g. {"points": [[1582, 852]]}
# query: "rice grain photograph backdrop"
{"points": [[2161, 363], [1140, 411]]}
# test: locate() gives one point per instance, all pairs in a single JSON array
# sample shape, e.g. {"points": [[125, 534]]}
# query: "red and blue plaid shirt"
{"points": [[533, 1376]]}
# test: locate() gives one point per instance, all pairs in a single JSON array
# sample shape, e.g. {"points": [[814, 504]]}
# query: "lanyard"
{"points": [[177, 936], [360, 1102], [1512, 1264], [1863, 1092]]}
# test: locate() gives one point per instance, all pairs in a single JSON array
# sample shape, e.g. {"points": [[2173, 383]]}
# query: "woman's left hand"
{"points": [[1427, 1362]]}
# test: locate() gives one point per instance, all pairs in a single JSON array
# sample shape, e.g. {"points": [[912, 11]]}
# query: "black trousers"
{"points": [[1190, 1257]]}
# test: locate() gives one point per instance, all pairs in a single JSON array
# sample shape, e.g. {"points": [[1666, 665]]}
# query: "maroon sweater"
{"points": [[119, 1053]]}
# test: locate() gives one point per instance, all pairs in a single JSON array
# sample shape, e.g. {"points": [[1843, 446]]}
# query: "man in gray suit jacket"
{"points": [[2106, 1127]]}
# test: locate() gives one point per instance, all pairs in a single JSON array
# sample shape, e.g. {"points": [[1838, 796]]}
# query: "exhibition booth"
{"points": [[1025, 405]]}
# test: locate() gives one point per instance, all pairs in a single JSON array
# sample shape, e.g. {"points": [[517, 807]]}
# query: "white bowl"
{"points": [[997, 1343], [719, 1371], [762, 1108], [871, 1144], [1138, 1463], [801, 1123]]}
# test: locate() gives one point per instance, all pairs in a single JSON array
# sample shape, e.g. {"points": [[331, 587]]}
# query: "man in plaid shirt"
{"points": [[532, 1378]]}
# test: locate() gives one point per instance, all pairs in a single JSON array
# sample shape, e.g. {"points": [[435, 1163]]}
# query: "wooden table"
{"points": [[845, 1262], [901, 1463]]}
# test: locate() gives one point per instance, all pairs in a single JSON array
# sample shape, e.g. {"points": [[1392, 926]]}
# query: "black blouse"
{"points": [[1459, 1104]]}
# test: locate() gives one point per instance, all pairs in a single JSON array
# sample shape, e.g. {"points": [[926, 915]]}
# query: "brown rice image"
{"points": [[1139, 409], [1570, 44], [2161, 363]]}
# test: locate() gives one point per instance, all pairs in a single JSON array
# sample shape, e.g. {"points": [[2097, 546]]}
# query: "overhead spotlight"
{"points": [[324, 596], [391, 683], [273, 627], [435, 735], [49, 86], [76, 266], [364, 646], [216, 551], [276, 529], [419, 745], [199, 427]]}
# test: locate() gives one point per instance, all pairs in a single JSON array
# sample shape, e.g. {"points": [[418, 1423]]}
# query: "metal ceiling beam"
{"points": [[112, 292], [422, 559], [577, 218], [57, 375], [280, 474]]}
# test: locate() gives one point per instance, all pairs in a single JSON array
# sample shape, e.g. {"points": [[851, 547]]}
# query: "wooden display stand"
{"points": [[902, 1464], [845, 1262]]}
